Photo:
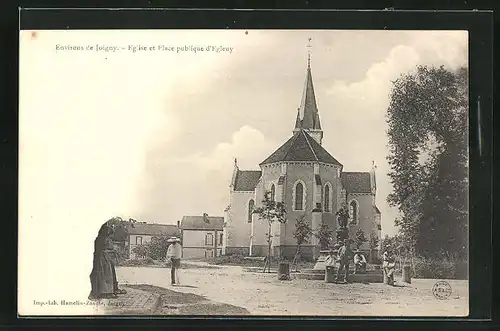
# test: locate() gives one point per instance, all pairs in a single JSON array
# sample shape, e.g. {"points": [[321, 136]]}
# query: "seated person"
{"points": [[359, 263], [331, 259]]}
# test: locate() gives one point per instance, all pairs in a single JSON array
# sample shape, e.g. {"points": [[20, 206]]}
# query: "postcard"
{"points": [[243, 172]]}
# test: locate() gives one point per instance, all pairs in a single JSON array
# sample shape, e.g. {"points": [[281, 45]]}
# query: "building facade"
{"points": [[202, 236], [310, 182]]}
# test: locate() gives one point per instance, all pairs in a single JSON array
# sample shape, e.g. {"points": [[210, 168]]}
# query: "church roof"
{"points": [[308, 115], [301, 147], [356, 182], [246, 180], [202, 223]]}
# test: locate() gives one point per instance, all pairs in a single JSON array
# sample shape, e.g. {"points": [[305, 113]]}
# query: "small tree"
{"points": [[157, 247], [141, 251], [302, 233], [324, 235], [360, 238], [374, 241], [270, 211]]}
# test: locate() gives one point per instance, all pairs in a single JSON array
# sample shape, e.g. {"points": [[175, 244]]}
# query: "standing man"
{"points": [[389, 264], [174, 253], [345, 256]]}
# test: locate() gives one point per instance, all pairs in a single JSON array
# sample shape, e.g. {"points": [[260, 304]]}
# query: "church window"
{"points": [[251, 204], [353, 211], [327, 198], [209, 239], [299, 196], [221, 237], [273, 192]]}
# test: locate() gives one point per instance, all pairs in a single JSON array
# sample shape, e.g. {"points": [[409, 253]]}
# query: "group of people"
{"points": [[104, 284], [344, 255], [343, 258]]}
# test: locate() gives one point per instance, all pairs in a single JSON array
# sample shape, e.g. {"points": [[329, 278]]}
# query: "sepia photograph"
{"points": [[243, 173]]}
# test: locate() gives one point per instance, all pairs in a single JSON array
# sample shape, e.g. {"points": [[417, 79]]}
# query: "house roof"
{"points": [[198, 223], [152, 229], [301, 147], [356, 182], [246, 180]]}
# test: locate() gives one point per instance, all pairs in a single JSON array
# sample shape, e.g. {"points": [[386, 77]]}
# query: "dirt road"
{"points": [[264, 294]]}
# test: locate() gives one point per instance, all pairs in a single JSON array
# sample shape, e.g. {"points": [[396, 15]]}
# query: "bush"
{"points": [[230, 259], [440, 268], [138, 262]]}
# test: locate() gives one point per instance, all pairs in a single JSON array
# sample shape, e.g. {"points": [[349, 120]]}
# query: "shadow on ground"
{"points": [[179, 303]]}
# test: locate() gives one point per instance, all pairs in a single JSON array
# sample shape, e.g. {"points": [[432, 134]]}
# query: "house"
{"points": [[309, 181], [141, 232], [202, 236]]}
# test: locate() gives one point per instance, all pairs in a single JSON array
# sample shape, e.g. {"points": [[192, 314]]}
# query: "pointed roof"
{"points": [[308, 116], [301, 147]]}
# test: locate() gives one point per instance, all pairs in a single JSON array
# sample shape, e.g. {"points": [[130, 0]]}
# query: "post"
{"points": [[215, 244], [330, 274], [406, 277]]}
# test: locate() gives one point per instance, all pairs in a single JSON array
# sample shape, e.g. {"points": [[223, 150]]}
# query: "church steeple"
{"points": [[308, 115]]}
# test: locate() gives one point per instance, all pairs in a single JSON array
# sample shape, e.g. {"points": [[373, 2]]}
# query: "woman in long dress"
{"points": [[103, 276]]}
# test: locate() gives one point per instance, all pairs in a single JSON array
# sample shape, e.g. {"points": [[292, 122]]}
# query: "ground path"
{"points": [[264, 294]]}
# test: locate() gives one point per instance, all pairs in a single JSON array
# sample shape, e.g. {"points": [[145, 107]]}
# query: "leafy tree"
{"points": [[157, 247], [360, 238], [373, 243], [324, 235], [141, 251], [428, 133], [270, 211], [301, 234]]}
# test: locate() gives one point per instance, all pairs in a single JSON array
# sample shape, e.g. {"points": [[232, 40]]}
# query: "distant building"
{"points": [[202, 236], [141, 232], [310, 182]]}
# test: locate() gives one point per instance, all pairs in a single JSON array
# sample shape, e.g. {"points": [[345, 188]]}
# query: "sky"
{"points": [[152, 134]]}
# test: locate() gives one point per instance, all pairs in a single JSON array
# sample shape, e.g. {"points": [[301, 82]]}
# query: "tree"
{"points": [[157, 247], [428, 142], [141, 251], [374, 241], [270, 211], [360, 238], [324, 235], [301, 234]]}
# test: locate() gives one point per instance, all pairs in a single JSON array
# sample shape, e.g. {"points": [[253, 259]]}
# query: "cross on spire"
{"points": [[309, 52]]}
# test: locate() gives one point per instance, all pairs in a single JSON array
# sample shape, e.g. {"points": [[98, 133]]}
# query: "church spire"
{"points": [[308, 115]]}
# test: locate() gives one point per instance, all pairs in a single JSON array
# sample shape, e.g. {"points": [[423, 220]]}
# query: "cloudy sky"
{"points": [[153, 134]]}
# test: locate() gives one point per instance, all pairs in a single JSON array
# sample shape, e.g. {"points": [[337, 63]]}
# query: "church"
{"points": [[310, 182]]}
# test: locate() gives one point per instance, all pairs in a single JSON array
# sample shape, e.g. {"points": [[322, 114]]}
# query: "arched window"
{"points": [[353, 211], [251, 204], [327, 198], [299, 196], [273, 193], [209, 239]]}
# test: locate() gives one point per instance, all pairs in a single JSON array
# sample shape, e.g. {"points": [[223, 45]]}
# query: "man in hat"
{"points": [[388, 264], [174, 253], [359, 263], [344, 257]]}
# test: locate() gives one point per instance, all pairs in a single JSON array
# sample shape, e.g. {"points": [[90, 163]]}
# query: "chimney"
{"points": [[205, 218]]}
